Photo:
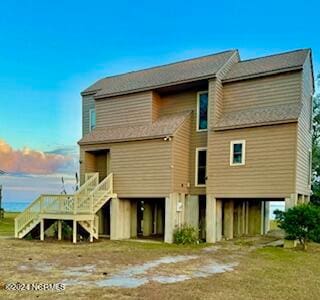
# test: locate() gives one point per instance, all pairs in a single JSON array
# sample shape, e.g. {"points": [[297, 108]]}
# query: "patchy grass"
{"points": [[262, 272], [7, 224]]}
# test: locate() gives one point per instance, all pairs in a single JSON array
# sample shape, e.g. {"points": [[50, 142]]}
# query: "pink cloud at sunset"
{"points": [[29, 161]]}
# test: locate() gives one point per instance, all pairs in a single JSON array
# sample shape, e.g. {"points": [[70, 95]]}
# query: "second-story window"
{"points": [[237, 153], [92, 119], [202, 111]]}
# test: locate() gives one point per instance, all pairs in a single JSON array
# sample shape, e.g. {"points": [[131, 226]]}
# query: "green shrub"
{"points": [[185, 235], [302, 222]]}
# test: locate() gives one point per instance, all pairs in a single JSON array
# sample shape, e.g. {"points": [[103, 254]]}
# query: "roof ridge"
{"points": [[276, 54], [169, 64]]}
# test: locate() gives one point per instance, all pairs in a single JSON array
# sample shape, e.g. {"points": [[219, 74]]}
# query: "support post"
{"points": [[42, 230], [168, 232], [133, 217], [266, 217], [174, 215], [247, 218], [159, 219], [291, 201], [192, 211], [147, 219], [59, 230], [120, 219], [243, 218], [262, 213], [219, 220], [74, 239], [228, 219], [91, 231], [211, 214]]}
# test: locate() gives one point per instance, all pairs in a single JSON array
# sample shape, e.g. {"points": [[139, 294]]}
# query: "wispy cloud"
{"points": [[27, 188], [28, 161]]}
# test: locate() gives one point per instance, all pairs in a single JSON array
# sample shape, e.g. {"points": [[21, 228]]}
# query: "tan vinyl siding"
{"points": [[181, 155], [304, 141], [123, 110], [156, 104], [262, 92], [140, 169], [187, 101], [87, 104], [269, 169]]}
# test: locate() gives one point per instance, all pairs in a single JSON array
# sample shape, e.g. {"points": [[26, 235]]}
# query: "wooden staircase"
{"points": [[80, 207]]}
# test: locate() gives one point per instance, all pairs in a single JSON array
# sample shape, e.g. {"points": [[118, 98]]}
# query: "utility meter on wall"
{"points": [[179, 206]]}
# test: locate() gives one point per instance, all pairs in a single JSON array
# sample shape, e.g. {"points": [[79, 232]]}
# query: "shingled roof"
{"points": [[164, 126], [179, 72], [260, 115], [267, 65]]}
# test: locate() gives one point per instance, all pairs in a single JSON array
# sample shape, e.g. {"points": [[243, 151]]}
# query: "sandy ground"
{"points": [[132, 270]]}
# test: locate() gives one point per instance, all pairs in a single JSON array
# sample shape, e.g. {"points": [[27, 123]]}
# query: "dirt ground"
{"points": [[241, 269]]}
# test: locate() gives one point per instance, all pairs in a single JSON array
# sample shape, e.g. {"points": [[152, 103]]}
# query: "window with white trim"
{"points": [[237, 152], [92, 119], [202, 111], [201, 164]]}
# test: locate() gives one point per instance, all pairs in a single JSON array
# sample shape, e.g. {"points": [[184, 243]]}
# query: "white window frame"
{"points": [[90, 110], [198, 149], [243, 162], [198, 110]]}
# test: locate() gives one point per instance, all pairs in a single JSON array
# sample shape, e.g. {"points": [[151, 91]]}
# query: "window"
{"points": [[202, 111], [201, 162], [237, 153], [92, 119]]}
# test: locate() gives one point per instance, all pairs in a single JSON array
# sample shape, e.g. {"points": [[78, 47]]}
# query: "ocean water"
{"points": [[14, 206], [20, 206]]}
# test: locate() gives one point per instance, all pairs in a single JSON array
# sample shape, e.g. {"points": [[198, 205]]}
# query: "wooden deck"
{"points": [[80, 207]]}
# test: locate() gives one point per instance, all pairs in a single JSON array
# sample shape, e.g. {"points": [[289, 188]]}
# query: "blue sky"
{"points": [[51, 50]]}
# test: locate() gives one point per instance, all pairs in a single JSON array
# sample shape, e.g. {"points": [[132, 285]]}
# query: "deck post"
{"points": [[91, 231], [15, 228], [59, 230], [74, 239], [42, 229]]}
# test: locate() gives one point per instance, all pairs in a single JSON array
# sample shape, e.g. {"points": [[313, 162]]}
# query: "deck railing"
{"points": [[82, 202]]}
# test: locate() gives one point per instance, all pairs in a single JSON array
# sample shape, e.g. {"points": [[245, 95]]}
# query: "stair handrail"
{"points": [[108, 182], [27, 215], [83, 191], [83, 188]]}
